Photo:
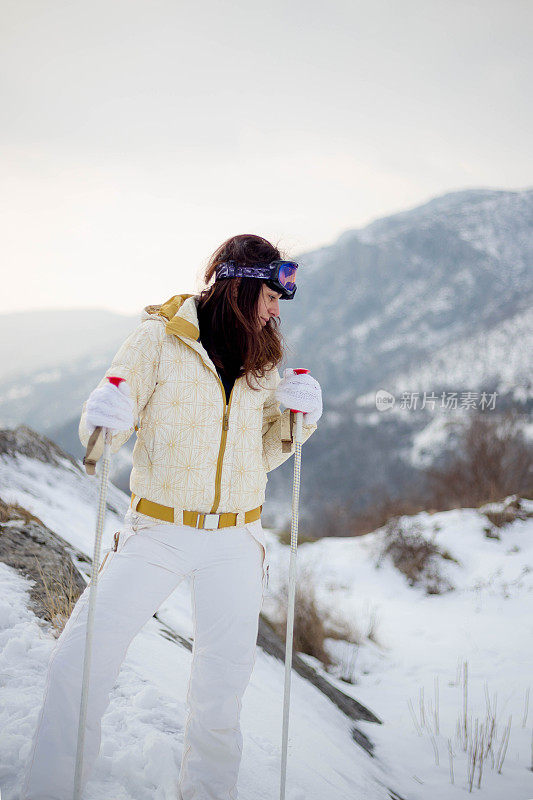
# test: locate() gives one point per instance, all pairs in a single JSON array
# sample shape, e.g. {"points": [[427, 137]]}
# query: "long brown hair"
{"points": [[227, 312]]}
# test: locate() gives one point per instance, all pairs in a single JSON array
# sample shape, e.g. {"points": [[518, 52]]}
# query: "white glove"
{"points": [[301, 392], [111, 407]]}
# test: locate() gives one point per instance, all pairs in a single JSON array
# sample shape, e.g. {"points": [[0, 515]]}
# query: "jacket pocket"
{"points": [[119, 539], [256, 530]]}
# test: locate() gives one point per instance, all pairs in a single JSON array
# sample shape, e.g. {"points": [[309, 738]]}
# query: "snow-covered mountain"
{"points": [[437, 298], [406, 663], [382, 299]]}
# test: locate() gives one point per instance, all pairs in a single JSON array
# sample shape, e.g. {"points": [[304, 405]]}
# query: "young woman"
{"points": [[198, 381]]}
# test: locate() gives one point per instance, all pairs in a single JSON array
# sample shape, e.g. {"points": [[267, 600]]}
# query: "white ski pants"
{"points": [[227, 569]]}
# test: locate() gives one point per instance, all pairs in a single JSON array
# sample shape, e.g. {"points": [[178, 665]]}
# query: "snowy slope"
{"points": [[419, 639], [487, 621], [143, 728], [499, 359], [495, 222], [498, 362], [381, 299]]}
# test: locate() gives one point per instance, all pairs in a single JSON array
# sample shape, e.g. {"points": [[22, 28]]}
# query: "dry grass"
{"points": [[385, 509], [58, 596], [284, 534], [337, 519], [492, 460], [415, 556], [313, 625], [512, 511], [483, 739], [9, 511], [489, 460], [310, 624]]}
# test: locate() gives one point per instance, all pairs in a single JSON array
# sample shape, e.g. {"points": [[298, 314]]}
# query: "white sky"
{"points": [[136, 135]]}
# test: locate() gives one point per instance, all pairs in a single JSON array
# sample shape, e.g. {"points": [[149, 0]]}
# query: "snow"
{"points": [[62, 497], [475, 361], [486, 219], [142, 730], [486, 621], [430, 440]]}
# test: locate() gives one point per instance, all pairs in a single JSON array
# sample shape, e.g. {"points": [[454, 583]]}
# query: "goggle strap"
{"points": [[278, 273]]}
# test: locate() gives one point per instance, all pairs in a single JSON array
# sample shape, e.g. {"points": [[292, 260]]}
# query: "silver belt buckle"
{"points": [[210, 522]]}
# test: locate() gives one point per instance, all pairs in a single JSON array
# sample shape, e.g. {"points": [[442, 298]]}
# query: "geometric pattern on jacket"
{"points": [[183, 457]]}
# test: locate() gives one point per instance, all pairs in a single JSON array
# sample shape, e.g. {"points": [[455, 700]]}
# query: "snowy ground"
{"points": [[142, 730], [486, 622], [425, 641]]}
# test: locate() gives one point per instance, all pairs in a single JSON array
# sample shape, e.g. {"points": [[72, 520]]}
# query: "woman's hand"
{"points": [[110, 406], [301, 392]]}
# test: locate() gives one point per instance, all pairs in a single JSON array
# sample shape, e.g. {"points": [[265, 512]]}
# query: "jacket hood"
{"points": [[180, 315]]}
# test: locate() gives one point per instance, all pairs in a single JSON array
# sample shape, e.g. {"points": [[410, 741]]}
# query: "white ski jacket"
{"points": [[193, 451]]}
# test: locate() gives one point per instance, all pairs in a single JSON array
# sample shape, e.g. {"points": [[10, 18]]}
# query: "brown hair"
{"points": [[227, 312]]}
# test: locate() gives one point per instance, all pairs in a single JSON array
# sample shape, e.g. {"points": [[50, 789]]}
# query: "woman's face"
{"points": [[267, 305]]}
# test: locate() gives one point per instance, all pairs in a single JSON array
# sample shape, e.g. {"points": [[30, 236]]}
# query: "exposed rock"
{"points": [[41, 555], [271, 643], [24, 441]]}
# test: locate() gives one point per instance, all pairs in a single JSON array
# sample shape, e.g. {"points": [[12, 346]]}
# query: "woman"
{"points": [[198, 380]]}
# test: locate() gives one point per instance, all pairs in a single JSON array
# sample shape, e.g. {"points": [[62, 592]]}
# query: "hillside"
{"points": [[409, 662], [143, 728], [432, 299], [416, 623]]}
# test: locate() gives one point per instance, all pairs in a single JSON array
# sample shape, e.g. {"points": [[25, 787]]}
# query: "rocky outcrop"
{"points": [[26, 544], [271, 643], [26, 442]]}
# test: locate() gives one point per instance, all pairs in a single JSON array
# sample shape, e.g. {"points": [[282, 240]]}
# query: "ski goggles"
{"points": [[279, 275]]}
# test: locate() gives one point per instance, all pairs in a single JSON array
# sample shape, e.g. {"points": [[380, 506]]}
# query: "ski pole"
{"points": [[292, 592], [104, 478]]}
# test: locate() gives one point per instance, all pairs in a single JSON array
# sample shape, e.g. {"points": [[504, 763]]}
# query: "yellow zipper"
{"points": [[225, 426]]}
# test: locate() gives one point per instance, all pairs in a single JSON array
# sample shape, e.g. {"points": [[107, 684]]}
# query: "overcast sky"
{"points": [[136, 135]]}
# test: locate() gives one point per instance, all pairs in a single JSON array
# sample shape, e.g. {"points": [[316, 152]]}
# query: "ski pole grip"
{"points": [[90, 458], [299, 372], [94, 445]]}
